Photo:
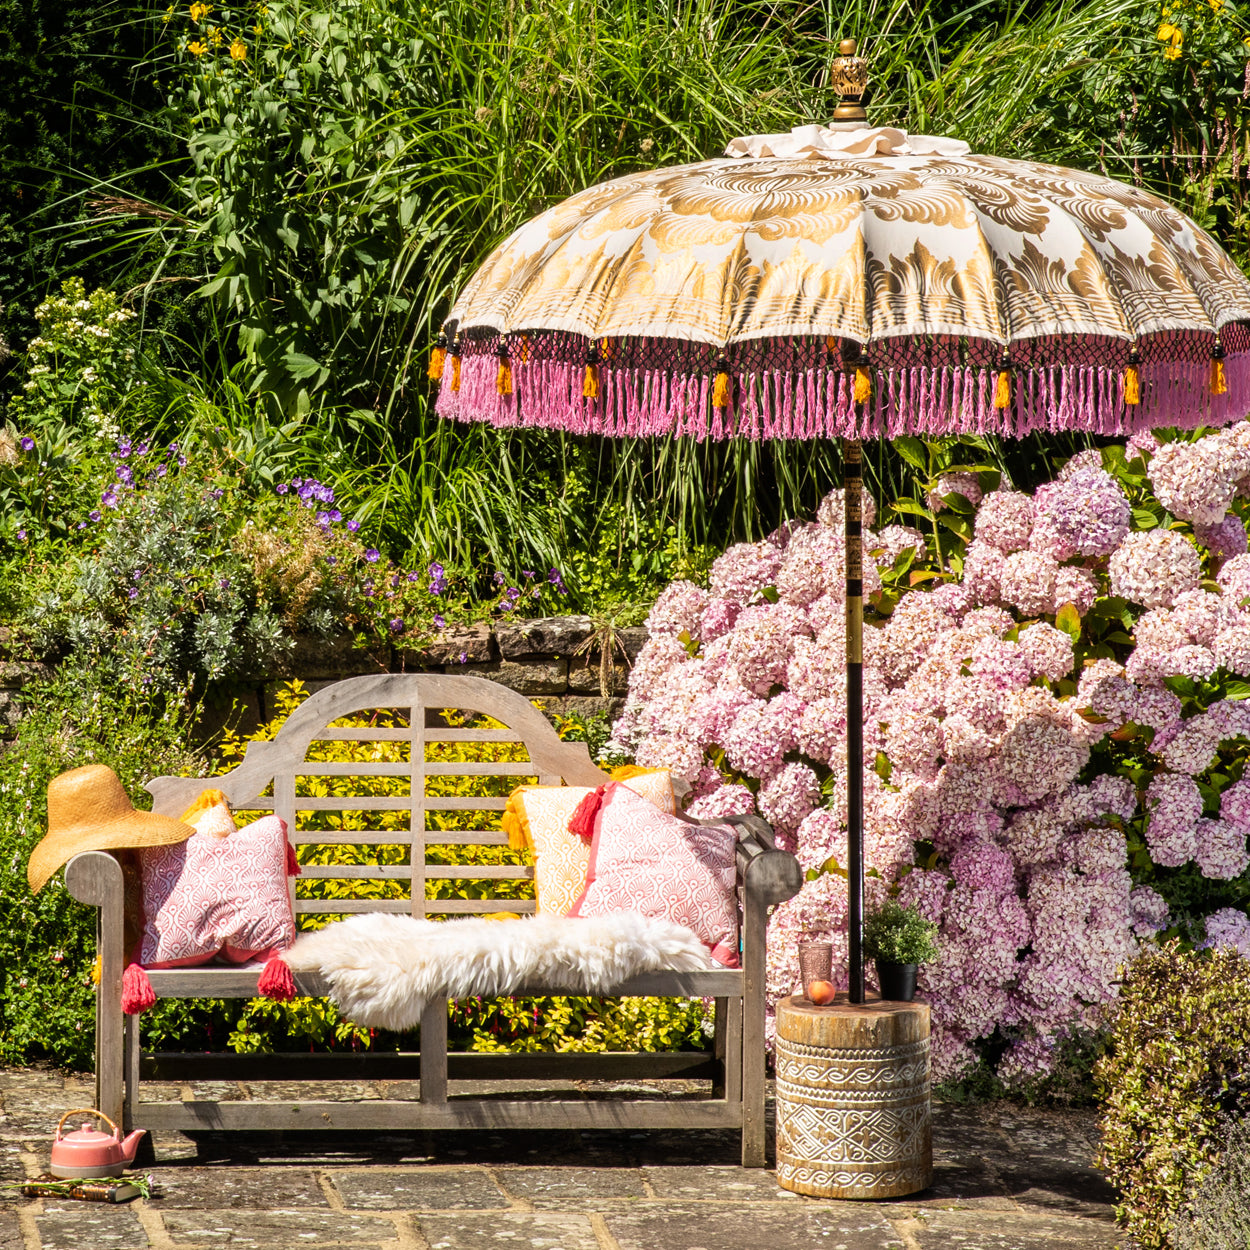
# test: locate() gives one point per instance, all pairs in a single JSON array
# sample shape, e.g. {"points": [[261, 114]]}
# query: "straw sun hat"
{"points": [[89, 811]]}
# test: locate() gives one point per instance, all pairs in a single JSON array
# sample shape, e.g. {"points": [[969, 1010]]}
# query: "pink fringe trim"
{"points": [[817, 403]]}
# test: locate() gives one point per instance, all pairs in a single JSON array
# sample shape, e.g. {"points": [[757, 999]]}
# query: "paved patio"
{"points": [[1008, 1178]]}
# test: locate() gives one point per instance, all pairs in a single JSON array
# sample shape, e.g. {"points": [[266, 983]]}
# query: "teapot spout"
{"points": [[131, 1144]]}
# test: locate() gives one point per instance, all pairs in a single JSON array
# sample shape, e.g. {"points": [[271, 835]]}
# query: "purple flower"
{"points": [[282, 488], [397, 625], [323, 519], [213, 494], [28, 443], [527, 573], [439, 620], [335, 515], [125, 476], [142, 449], [161, 470], [94, 515], [414, 577], [297, 482], [499, 579], [109, 498], [353, 525], [371, 554], [132, 593], [464, 657], [367, 588], [82, 525], [21, 536], [225, 583], [554, 578], [331, 560]]}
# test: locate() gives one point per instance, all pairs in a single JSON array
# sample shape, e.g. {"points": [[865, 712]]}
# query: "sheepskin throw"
{"points": [[382, 969]]}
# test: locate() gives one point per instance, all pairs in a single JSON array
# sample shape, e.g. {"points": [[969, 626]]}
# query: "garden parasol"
{"points": [[851, 282]]}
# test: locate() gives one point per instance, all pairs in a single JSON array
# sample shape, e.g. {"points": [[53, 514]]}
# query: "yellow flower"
{"points": [[258, 29], [1216, 5], [238, 50], [1167, 31], [169, 13], [200, 10], [214, 33], [196, 48]]}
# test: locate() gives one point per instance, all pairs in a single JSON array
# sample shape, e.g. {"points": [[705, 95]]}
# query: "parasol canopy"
{"points": [[728, 297], [846, 281]]}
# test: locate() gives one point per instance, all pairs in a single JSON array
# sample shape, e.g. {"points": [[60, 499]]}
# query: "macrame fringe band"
{"points": [[825, 403]]}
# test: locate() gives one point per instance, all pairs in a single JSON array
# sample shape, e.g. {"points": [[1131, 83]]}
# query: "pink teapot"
{"points": [[87, 1152]]}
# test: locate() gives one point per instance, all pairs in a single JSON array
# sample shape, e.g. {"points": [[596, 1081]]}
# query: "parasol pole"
{"points": [[852, 457]]}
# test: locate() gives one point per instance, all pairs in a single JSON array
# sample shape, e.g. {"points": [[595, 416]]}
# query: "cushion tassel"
{"points": [[720, 390], [863, 385], [1219, 381], [455, 372], [276, 981], [292, 864], [503, 379], [582, 821], [137, 992], [438, 357], [590, 382]]}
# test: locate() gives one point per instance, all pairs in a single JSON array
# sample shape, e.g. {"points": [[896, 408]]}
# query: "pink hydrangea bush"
{"points": [[1054, 728]]}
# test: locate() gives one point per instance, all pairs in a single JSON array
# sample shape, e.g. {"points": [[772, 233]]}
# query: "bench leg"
{"points": [[754, 934], [131, 1097], [434, 1051]]}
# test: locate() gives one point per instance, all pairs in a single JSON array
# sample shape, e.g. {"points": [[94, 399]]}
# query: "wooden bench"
{"points": [[274, 776]]}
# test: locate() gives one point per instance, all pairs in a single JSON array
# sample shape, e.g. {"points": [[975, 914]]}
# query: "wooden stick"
{"points": [[852, 460]]}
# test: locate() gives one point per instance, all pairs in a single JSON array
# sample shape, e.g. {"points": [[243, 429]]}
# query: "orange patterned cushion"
{"points": [[538, 817]]}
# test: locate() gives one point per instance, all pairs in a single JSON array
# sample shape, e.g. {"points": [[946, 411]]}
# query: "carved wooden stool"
{"points": [[853, 1117]]}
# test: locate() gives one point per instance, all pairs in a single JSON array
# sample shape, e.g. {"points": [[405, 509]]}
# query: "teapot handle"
{"points": [[89, 1111]]}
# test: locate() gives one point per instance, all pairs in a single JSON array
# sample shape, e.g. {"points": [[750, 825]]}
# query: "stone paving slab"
{"points": [[272, 1229], [441, 1190], [811, 1226], [1006, 1178], [571, 1189], [981, 1230], [510, 1230]]}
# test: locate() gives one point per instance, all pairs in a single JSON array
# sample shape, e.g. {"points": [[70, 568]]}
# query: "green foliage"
{"points": [[1179, 1064], [1217, 1217], [47, 941], [899, 934]]}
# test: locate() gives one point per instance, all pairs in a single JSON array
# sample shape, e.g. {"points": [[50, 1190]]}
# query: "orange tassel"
{"points": [[863, 385], [1002, 392], [1132, 385], [1219, 383], [503, 379], [455, 373], [438, 358], [590, 382], [720, 391]]}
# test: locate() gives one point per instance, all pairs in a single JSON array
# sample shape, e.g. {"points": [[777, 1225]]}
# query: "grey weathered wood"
{"points": [[132, 1057], [267, 780], [454, 1113], [434, 1053], [95, 877], [403, 1065]]}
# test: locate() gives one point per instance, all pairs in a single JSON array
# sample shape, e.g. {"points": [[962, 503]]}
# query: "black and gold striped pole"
{"points": [[852, 462]]}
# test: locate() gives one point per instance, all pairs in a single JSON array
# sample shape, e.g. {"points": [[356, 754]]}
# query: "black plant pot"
{"points": [[897, 981]]}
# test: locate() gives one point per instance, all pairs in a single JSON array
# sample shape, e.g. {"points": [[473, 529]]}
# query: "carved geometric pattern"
{"points": [[853, 1119]]}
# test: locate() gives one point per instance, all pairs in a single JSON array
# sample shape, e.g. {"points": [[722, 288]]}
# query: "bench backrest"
{"points": [[377, 847]]}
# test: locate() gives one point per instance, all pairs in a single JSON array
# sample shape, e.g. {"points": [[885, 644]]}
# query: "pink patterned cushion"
{"points": [[646, 861], [209, 895]]}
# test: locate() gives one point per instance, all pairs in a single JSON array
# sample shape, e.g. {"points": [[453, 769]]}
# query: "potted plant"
{"points": [[899, 939]]}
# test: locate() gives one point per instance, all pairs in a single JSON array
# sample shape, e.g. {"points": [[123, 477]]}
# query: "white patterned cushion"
{"points": [[643, 860], [210, 895]]}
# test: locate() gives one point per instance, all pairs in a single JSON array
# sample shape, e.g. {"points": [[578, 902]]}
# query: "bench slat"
{"points": [[403, 872], [464, 803], [363, 734], [472, 735], [350, 906], [479, 906], [523, 769], [316, 768]]}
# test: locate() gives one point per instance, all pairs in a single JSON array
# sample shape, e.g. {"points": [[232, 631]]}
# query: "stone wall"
{"points": [[556, 661]]}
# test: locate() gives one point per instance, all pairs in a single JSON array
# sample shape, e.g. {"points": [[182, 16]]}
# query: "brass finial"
{"points": [[848, 75]]}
